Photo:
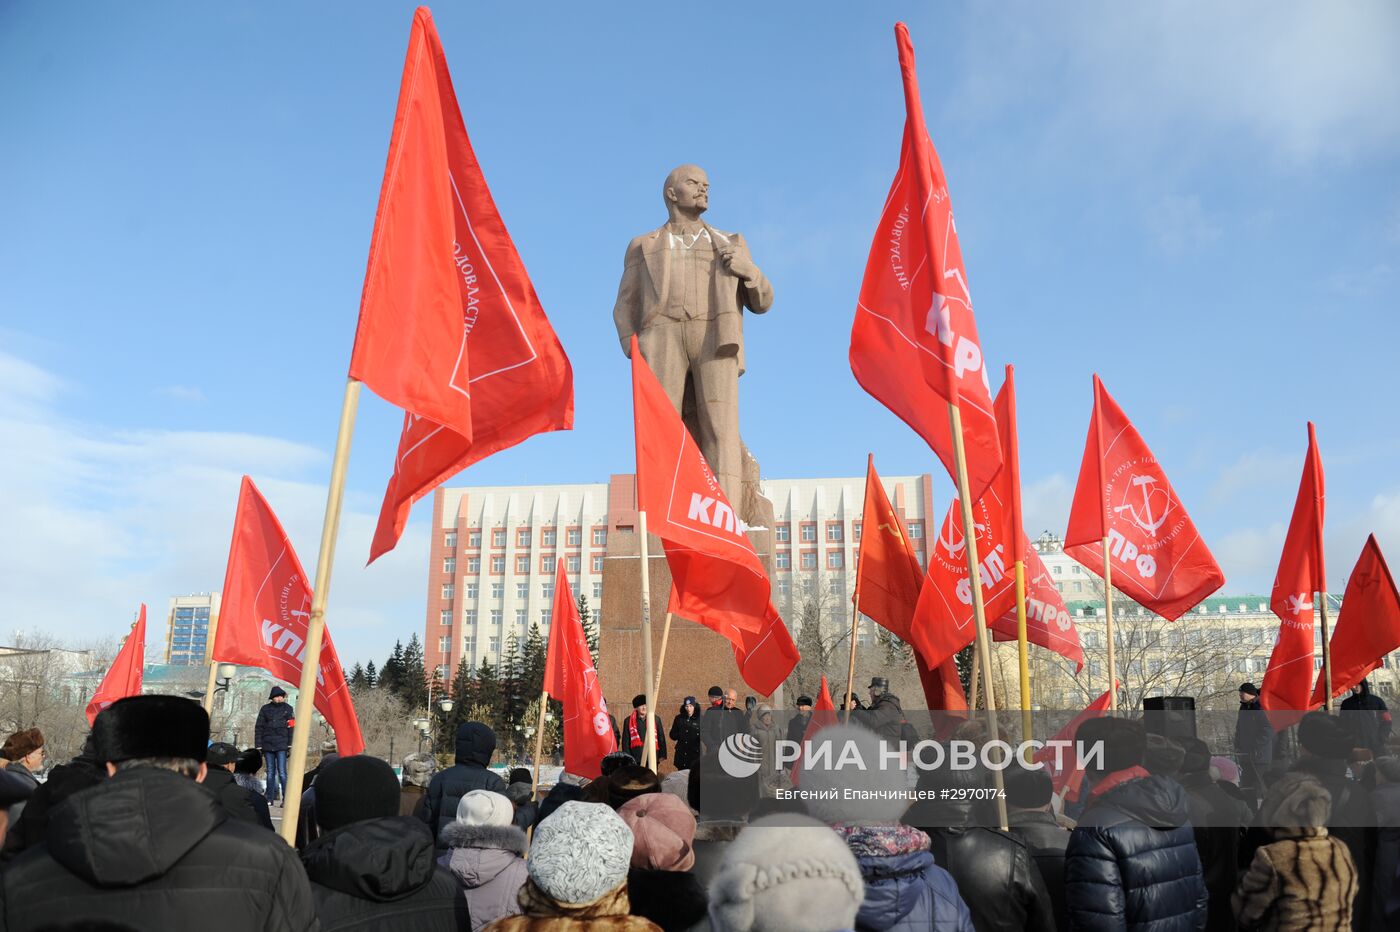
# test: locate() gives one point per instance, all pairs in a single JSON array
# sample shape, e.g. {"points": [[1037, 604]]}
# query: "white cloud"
{"points": [[1045, 505], [1181, 225], [98, 520], [189, 393]]}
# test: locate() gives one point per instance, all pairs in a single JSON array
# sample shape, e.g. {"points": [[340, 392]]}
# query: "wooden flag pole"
{"points": [[1023, 649], [539, 746], [1326, 652], [649, 739], [974, 681], [851, 664], [316, 624], [656, 690], [1108, 628], [979, 613], [213, 664]]}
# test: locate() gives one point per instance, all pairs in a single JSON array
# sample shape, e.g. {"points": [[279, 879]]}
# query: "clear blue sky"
{"points": [[1200, 204]]}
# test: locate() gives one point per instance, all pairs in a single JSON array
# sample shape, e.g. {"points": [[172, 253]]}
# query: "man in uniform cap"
{"points": [[149, 848]]}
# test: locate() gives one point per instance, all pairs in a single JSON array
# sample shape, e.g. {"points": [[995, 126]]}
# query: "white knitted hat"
{"points": [[579, 853], [483, 807], [786, 873]]}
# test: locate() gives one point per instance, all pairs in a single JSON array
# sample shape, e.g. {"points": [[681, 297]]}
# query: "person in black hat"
{"points": [[1254, 741], [372, 868], [221, 759], [885, 714], [149, 848], [1031, 818], [1131, 861], [1368, 718], [685, 734], [272, 734], [634, 731], [722, 719], [797, 725]]}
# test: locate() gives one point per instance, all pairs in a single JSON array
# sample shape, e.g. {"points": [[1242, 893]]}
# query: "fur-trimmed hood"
{"points": [[505, 837]]}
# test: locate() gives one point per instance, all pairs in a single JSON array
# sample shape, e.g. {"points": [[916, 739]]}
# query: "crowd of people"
{"points": [[153, 826]]}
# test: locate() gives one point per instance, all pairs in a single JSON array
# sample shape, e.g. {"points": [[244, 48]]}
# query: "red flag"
{"points": [[1160, 560], [1048, 621], [765, 657], [124, 675], [944, 620], [571, 677], [445, 277], [1289, 677], [264, 613], [888, 576], [824, 704], [914, 315], [823, 716], [718, 579], [1368, 625], [943, 689], [1072, 775]]}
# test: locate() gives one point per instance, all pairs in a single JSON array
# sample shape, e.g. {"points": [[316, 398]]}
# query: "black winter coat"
{"points": [[797, 726], [1368, 718], [236, 800], [641, 726], [996, 877], [673, 900], [1132, 866], [1254, 736], [64, 780], [475, 745], [152, 850], [1216, 826], [1047, 840], [685, 734], [719, 723], [383, 874], [273, 730]]}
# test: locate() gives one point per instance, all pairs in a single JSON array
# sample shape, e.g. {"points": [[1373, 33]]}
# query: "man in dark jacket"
{"points": [[634, 731], [372, 868], [1216, 820], [150, 849], [1131, 864], [1368, 718], [996, 875], [885, 714], [475, 745], [272, 734], [1254, 741], [64, 780], [240, 803], [797, 725], [722, 719], [1031, 818]]}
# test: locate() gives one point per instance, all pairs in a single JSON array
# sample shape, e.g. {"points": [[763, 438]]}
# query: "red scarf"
{"points": [[633, 739], [1117, 778]]}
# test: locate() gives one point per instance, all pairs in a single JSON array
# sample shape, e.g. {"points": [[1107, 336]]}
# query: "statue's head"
{"points": [[687, 191]]}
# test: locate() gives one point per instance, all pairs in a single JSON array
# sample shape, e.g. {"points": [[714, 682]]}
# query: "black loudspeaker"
{"points": [[1170, 716]]}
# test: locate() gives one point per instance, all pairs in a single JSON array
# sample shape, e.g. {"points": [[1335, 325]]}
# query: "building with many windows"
{"points": [[187, 628], [494, 550]]}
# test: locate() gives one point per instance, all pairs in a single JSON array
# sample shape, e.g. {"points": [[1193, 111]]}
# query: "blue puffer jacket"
{"points": [[904, 889], [1132, 863]]}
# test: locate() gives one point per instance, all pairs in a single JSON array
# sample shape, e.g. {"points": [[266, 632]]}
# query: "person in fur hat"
{"points": [[577, 868], [486, 853], [418, 770], [660, 884], [148, 848], [24, 753], [1304, 879]]}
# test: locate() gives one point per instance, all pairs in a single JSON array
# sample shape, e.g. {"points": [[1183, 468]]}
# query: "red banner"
{"points": [[125, 674], [1368, 625], [444, 277], [264, 613], [1159, 558], [1067, 779], [571, 677], [914, 343], [888, 577], [1048, 622], [1287, 685]]}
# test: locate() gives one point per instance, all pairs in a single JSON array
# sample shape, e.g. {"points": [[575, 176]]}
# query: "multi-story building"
{"points": [[187, 628], [492, 560]]}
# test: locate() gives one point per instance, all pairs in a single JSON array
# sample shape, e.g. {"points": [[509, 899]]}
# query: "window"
{"points": [[498, 589], [472, 590], [522, 566], [835, 587], [1078, 586], [498, 537], [572, 563], [469, 616], [782, 533], [449, 565], [550, 535], [468, 646], [521, 616], [547, 564], [474, 565], [835, 560], [522, 590], [855, 532], [809, 533], [782, 560], [498, 565], [597, 591], [1060, 586], [597, 563], [574, 537], [445, 644], [1056, 569], [522, 538], [544, 617], [548, 590], [495, 644], [496, 615], [600, 537], [784, 587], [1075, 569], [916, 530], [474, 539], [449, 540], [835, 534], [809, 560], [448, 590], [445, 616]]}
